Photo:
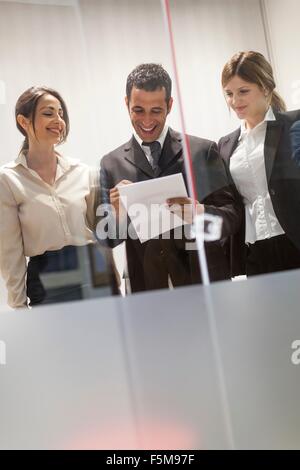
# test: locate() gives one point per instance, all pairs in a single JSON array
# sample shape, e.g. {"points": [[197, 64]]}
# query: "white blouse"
{"points": [[37, 217], [247, 167]]}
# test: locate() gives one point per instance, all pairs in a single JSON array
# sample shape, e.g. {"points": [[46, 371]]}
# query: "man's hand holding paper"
{"points": [[147, 207]]}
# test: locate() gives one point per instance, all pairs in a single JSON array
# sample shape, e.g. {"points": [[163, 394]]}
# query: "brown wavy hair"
{"points": [[26, 106], [253, 67]]}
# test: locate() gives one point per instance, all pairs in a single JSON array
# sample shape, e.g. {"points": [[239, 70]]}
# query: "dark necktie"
{"points": [[155, 148]]}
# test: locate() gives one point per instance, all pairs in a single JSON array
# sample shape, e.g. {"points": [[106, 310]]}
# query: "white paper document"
{"points": [[145, 203]]}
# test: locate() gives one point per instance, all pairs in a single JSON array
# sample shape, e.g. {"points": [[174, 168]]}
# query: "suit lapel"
{"points": [[273, 134], [172, 150], [229, 145], [135, 155]]}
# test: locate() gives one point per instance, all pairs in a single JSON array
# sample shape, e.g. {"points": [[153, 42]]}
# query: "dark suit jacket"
{"points": [[283, 178], [295, 141], [150, 263]]}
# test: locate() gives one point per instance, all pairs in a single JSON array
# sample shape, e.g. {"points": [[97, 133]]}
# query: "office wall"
{"points": [[86, 49], [283, 24], [207, 33]]}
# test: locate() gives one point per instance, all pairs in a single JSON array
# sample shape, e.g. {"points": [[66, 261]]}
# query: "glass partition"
{"points": [[241, 90], [86, 51], [150, 181]]}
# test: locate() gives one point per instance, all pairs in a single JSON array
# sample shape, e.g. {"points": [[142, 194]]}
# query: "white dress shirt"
{"points": [[146, 149], [37, 217], [247, 167]]}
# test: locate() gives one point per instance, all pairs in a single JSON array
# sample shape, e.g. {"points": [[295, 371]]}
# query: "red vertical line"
{"points": [[186, 145], [201, 252], [186, 148]]}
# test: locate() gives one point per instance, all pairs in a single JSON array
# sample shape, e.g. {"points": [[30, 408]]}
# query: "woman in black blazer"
{"points": [[263, 172]]}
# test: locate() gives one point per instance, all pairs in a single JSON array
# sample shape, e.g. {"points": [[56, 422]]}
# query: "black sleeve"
{"points": [[106, 184], [223, 200], [109, 232]]}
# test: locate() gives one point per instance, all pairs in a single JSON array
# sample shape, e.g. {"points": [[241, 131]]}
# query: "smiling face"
{"points": [[248, 100], [49, 125], [148, 112]]}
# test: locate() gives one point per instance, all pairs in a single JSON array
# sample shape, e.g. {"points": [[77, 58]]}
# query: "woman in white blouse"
{"points": [[47, 201], [264, 175]]}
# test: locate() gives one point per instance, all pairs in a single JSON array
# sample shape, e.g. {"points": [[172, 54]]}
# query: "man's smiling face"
{"points": [[148, 112]]}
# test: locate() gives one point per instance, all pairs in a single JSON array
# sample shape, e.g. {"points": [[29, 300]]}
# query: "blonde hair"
{"points": [[253, 67]]}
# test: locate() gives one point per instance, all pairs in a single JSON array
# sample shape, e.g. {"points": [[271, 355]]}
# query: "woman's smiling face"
{"points": [[248, 100]]}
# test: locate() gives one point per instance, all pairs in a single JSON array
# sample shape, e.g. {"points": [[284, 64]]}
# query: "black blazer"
{"points": [[283, 178], [295, 141], [150, 263]]}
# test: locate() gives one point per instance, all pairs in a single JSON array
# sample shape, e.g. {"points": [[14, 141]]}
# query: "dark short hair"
{"points": [[27, 104], [149, 77]]}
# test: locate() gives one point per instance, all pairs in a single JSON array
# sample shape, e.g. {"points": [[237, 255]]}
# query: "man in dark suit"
{"points": [[154, 151]]}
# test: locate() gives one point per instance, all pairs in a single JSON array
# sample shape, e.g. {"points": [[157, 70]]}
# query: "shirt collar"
{"points": [[64, 162], [161, 138], [269, 116]]}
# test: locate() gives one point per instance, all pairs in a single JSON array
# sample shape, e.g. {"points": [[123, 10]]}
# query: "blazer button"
{"points": [[272, 192], [161, 252]]}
